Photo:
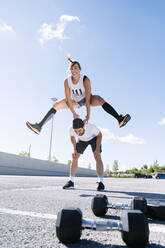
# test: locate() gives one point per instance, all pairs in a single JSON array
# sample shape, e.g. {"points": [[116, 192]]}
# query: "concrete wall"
{"points": [[18, 165]]}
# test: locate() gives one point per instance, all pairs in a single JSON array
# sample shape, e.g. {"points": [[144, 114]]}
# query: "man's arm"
{"points": [[73, 140], [87, 87], [68, 99]]}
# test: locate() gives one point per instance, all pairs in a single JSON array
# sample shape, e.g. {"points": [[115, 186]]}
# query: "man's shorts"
{"points": [[82, 145]]}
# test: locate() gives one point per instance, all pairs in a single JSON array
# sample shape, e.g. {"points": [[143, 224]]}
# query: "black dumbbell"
{"points": [[134, 226], [100, 205]]}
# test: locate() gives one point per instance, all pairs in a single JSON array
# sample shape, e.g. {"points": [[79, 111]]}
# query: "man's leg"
{"points": [[99, 164], [73, 170], [74, 165], [56, 106], [80, 148], [100, 170], [99, 101]]}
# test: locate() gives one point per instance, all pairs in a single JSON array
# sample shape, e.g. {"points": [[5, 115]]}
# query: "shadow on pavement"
{"points": [[111, 217], [92, 190], [151, 196], [153, 245], [85, 195], [160, 222], [103, 192], [91, 243]]}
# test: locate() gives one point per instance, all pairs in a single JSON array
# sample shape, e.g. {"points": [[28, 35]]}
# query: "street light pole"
{"points": [[29, 150], [51, 133]]}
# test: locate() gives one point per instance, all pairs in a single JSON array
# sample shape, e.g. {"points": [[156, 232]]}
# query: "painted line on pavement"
{"points": [[28, 213]]}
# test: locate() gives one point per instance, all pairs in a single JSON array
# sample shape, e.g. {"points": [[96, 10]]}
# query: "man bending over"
{"points": [[87, 134]]}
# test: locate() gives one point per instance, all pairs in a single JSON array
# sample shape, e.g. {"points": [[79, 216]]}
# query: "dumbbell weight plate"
{"points": [[139, 203], [68, 225], [99, 205], [156, 209], [135, 231]]}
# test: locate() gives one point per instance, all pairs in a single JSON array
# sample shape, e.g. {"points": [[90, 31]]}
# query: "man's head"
{"points": [[78, 126]]}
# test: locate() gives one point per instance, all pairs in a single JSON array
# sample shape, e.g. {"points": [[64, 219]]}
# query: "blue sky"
{"points": [[120, 46]]}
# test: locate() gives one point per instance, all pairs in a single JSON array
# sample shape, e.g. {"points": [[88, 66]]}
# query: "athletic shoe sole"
{"points": [[69, 187], [32, 128], [126, 119]]}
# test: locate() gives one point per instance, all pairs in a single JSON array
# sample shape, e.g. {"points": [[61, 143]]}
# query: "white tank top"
{"points": [[77, 91]]}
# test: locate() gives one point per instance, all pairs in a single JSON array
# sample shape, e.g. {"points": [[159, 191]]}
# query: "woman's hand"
{"points": [[86, 119]]}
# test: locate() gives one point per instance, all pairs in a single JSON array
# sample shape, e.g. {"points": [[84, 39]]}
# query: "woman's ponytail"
{"points": [[69, 58]]}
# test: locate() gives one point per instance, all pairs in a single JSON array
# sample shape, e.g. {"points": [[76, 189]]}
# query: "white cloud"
{"points": [[130, 138], [6, 28], [47, 32], [67, 18], [162, 122]]}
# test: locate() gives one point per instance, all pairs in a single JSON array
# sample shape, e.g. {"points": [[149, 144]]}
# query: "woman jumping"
{"points": [[78, 94]]}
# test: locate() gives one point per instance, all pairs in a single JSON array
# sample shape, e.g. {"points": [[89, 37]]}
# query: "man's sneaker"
{"points": [[100, 186], [69, 185], [124, 119], [34, 127]]}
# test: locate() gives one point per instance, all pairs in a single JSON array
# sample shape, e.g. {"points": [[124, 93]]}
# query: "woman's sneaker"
{"points": [[34, 127], [100, 186], [69, 185], [124, 119]]}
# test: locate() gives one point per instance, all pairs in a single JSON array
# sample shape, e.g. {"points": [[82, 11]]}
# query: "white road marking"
{"points": [[33, 188], [28, 213], [152, 227]]}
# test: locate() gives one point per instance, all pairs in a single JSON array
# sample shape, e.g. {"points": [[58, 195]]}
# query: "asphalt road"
{"points": [[28, 206]]}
